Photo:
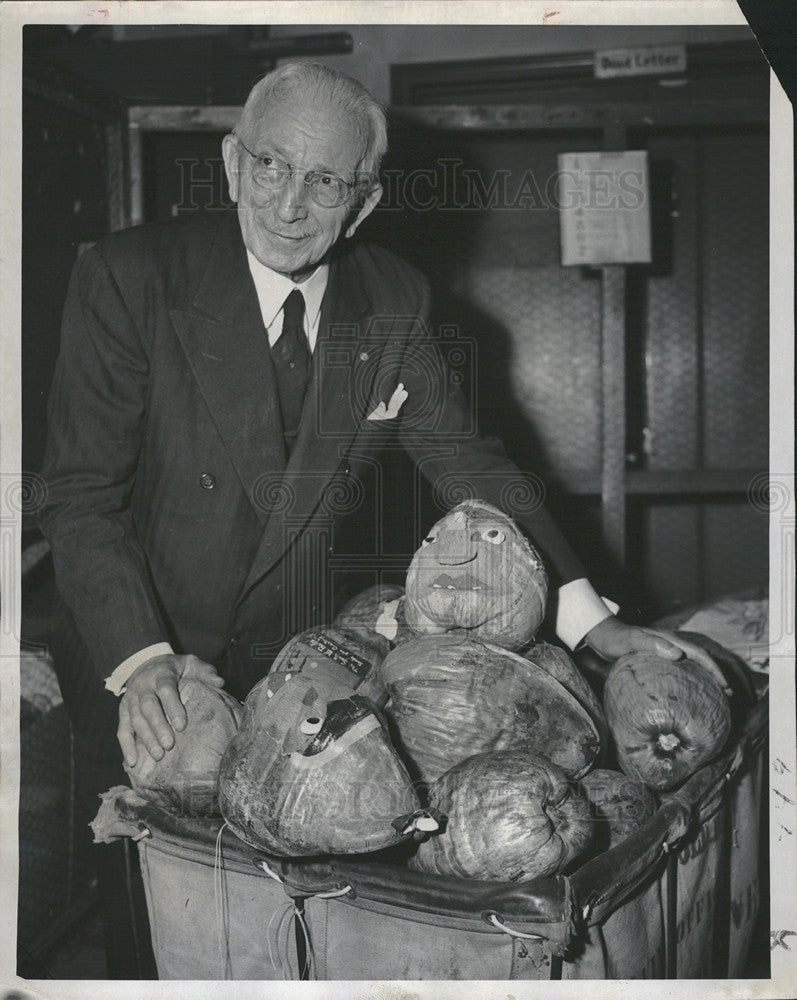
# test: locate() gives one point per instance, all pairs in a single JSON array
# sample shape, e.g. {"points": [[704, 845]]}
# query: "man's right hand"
{"points": [[150, 709]]}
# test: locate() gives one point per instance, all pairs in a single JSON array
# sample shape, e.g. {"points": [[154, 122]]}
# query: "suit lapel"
{"points": [[226, 345], [334, 407]]}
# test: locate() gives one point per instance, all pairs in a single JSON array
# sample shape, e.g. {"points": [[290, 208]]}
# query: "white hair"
{"points": [[316, 81]]}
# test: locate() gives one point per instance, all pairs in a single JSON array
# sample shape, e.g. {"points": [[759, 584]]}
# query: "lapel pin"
{"points": [[363, 356]]}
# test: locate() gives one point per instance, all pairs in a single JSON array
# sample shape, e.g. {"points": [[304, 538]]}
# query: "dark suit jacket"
{"points": [[172, 510]]}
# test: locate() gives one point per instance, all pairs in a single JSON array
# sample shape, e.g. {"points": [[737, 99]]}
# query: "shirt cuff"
{"points": [[579, 609], [116, 682]]}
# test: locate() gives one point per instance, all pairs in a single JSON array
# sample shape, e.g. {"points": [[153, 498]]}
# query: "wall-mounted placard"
{"points": [[604, 208], [646, 60]]}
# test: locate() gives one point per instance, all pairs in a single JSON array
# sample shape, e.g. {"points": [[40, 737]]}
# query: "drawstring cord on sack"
{"points": [[300, 926], [300, 922], [333, 893], [220, 905], [279, 962], [494, 919], [282, 949], [263, 866]]}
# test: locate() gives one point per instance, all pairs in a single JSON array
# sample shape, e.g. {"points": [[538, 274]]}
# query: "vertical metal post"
{"points": [[115, 176], [613, 376], [613, 519], [136, 174]]}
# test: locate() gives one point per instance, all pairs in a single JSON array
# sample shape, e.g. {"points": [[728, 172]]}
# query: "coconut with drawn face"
{"points": [[476, 574]]}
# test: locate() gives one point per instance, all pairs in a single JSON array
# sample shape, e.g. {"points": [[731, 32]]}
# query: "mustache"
{"points": [[292, 235]]}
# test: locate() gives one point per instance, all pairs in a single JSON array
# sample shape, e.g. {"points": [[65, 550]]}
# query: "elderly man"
{"points": [[214, 380]]}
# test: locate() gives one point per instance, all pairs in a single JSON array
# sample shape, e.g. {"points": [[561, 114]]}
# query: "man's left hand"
{"points": [[612, 638]]}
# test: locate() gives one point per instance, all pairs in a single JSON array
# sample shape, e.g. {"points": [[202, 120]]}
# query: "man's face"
{"points": [[284, 228]]}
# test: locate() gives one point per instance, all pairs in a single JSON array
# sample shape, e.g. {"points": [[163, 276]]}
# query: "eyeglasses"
{"points": [[326, 190]]}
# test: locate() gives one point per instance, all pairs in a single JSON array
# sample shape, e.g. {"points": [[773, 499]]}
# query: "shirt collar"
{"points": [[273, 289]]}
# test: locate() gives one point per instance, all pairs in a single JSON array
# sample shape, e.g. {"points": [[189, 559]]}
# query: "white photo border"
{"points": [[783, 857]]}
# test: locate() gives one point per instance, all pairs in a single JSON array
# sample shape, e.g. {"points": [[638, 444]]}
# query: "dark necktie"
{"points": [[292, 364]]}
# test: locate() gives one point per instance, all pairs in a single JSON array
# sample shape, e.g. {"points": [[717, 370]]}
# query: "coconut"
{"points": [[510, 815], [185, 780], [378, 610], [619, 806], [452, 696], [477, 574], [338, 659], [559, 665], [667, 717], [307, 775]]}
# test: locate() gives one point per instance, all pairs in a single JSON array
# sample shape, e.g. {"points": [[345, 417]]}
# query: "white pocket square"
{"points": [[389, 411]]}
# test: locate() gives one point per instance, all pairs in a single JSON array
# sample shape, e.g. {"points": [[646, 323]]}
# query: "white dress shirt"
{"points": [[272, 290], [578, 608]]}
